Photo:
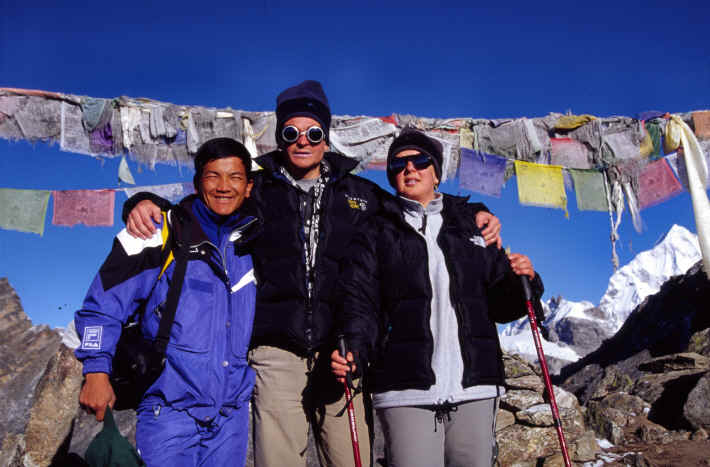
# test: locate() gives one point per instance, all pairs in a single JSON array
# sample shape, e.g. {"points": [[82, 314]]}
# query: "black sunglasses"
{"points": [[420, 161], [314, 134]]}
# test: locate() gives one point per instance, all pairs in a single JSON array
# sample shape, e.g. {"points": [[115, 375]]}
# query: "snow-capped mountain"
{"points": [[645, 274], [574, 329]]}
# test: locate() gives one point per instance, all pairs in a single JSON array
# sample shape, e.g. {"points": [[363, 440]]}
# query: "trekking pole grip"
{"points": [[342, 348], [526, 287]]}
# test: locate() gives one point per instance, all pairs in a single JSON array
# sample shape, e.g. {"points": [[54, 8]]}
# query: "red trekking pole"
{"points": [[545, 372], [348, 383]]}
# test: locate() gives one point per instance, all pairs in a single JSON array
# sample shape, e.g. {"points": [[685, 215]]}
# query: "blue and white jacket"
{"points": [[206, 366]]}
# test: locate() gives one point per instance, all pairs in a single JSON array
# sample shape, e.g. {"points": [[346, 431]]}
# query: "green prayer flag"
{"points": [[590, 190], [23, 210]]}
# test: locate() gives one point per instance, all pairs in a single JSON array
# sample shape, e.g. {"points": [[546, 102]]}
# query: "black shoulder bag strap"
{"points": [[171, 303]]}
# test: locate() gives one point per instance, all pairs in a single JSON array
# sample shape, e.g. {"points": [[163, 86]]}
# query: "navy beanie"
{"points": [[303, 100], [219, 148], [410, 138]]}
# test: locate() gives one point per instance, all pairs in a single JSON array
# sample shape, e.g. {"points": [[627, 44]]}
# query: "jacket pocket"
{"points": [[192, 329]]}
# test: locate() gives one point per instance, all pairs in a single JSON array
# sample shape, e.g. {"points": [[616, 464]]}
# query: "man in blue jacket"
{"points": [[196, 412]]}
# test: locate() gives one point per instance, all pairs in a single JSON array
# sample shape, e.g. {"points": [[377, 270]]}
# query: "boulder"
{"points": [[696, 409], [676, 362]]}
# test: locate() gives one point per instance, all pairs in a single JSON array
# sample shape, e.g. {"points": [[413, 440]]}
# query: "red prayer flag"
{"points": [[88, 207], [657, 184]]}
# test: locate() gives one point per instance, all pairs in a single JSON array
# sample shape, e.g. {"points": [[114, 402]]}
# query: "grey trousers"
{"points": [[465, 436], [288, 399]]}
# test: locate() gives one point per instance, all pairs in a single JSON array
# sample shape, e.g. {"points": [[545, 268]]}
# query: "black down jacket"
{"points": [[386, 297]]}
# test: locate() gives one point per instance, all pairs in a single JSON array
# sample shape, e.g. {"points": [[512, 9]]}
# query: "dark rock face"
{"points": [[663, 324], [650, 383], [582, 335]]}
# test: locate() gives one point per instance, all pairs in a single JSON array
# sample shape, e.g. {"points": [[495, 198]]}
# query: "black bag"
{"points": [[138, 362], [136, 365]]}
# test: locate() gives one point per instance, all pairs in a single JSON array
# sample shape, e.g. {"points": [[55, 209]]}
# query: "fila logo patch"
{"points": [[356, 203], [478, 240], [92, 338]]}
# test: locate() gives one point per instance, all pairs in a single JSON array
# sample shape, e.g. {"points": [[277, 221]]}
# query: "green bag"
{"points": [[110, 448]]}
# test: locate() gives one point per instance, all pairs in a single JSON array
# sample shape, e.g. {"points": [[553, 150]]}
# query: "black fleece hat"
{"points": [[303, 100], [410, 138], [219, 148]]}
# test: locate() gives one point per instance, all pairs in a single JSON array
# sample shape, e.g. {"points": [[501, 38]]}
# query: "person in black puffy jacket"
{"points": [[312, 206], [421, 294]]}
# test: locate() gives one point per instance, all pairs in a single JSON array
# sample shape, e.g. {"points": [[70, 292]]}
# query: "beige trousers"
{"points": [[288, 399]]}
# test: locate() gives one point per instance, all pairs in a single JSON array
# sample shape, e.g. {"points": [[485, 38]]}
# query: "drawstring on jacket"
{"points": [[442, 412]]}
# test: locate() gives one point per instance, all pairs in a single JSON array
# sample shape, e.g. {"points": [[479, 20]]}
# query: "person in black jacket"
{"points": [[421, 294], [312, 206]]}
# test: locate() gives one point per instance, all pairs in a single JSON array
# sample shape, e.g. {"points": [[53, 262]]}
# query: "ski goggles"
{"points": [[314, 134], [420, 161]]}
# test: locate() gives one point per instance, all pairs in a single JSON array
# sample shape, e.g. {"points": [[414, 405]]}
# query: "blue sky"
{"points": [[519, 59]]}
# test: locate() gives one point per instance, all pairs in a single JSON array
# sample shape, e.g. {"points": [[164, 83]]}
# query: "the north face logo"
{"points": [[356, 203], [478, 240]]}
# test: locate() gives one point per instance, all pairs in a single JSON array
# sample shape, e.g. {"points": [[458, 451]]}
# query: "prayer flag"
{"points": [[569, 152], [482, 173], [590, 190], [23, 210], [656, 134], [657, 184], [570, 122], [466, 138], [88, 207], [701, 122], [124, 172], [541, 185]]}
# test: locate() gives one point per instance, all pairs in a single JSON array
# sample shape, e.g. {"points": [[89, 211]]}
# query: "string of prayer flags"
{"points": [[569, 152], [541, 185], [23, 210], [173, 191], [481, 172], [88, 207], [657, 184], [590, 190]]}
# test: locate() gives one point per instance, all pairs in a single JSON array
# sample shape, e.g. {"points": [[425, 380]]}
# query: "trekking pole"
{"points": [[545, 372], [349, 403]]}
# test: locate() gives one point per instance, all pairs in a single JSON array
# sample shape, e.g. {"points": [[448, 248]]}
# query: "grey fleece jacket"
{"points": [[447, 362]]}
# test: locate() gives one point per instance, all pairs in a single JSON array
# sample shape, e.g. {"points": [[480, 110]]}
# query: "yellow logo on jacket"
{"points": [[356, 203]]}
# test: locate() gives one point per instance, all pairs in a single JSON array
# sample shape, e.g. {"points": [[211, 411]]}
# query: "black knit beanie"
{"points": [[303, 100], [410, 138], [219, 148]]}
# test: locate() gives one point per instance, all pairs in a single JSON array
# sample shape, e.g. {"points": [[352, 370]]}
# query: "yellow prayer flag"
{"points": [[541, 185], [466, 138], [570, 122]]}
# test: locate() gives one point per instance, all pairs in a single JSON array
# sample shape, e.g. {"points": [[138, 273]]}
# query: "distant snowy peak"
{"points": [[556, 309], [644, 275], [580, 325]]}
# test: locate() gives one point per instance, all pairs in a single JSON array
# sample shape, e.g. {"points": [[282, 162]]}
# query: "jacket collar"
{"points": [[244, 225], [339, 165], [452, 208]]}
